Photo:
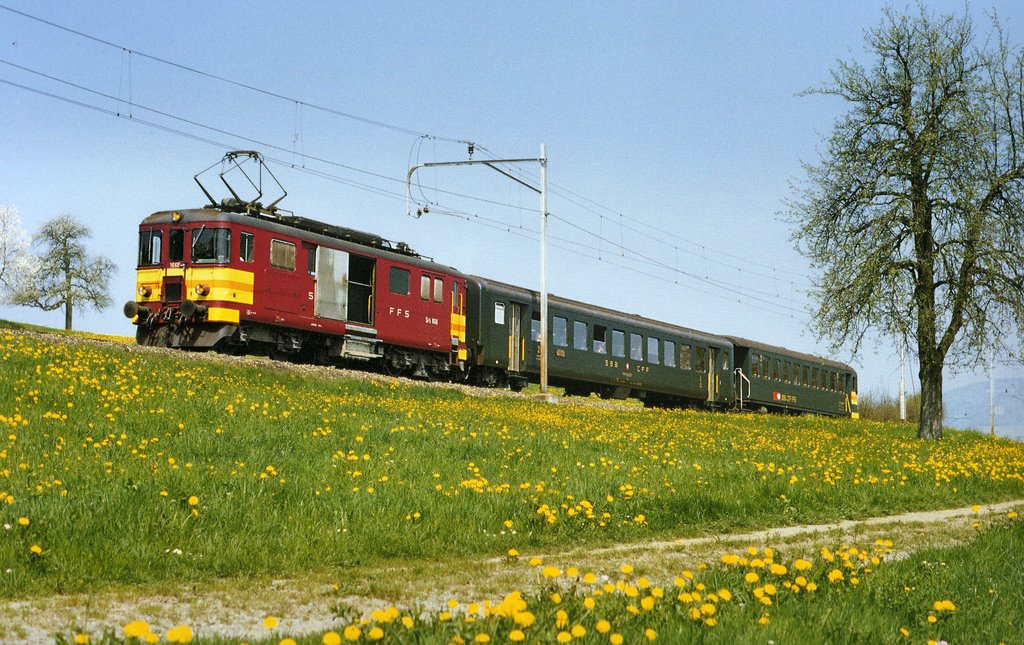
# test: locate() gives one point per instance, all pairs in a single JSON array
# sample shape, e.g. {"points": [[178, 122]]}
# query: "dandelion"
{"points": [[193, 500], [136, 629], [270, 622], [331, 638], [23, 521], [513, 554], [81, 639], [563, 637], [801, 565], [352, 633], [376, 633], [180, 634], [603, 626], [36, 549], [616, 639], [626, 569], [650, 634], [551, 572], [287, 641], [905, 632]]}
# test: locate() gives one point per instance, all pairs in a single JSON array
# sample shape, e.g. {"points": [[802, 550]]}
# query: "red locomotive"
{"points": [[239, 277]]}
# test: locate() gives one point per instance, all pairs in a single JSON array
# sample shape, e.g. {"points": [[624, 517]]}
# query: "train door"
{"points": [[458, 325], [173, 286], [515, 337], [712, 374], [331, 287]]}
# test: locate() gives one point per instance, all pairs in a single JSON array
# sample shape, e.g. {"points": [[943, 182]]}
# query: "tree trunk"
{"points": [[67, 315], [930, 420]]}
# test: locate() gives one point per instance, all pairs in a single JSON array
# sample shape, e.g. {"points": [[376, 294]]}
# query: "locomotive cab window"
{"points": [[438, 290], [398, 281], [176, 245], [149, 247], [579, 335], [499, 313], [282, 255], [425, 287], [212, 246], [600, 339], [670, 353], [560, 331], [246, 244]]}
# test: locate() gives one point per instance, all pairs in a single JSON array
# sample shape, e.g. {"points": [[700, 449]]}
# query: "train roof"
{"points": [[319, 232], [604, 311], [810, 358]]}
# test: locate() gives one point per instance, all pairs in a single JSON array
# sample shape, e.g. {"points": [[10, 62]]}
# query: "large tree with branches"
{"points": [[914, 215], [66, 276]]}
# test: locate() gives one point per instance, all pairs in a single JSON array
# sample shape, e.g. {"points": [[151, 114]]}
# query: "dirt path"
{"points": [[236, 608]]}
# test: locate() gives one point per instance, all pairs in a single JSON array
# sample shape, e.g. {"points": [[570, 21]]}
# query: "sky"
{"points": [[675, 132]]}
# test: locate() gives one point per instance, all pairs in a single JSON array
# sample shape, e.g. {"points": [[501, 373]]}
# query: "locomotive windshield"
{"points": [[149, 248], [211, 246]]}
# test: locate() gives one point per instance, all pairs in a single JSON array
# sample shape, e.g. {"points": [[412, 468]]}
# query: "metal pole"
{"points": [[992, 392], [543, 269], [903, 391]]}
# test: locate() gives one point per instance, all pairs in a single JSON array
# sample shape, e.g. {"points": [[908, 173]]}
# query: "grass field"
{"points": [[120, 468]]}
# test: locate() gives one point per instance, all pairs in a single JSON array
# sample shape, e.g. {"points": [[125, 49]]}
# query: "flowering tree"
{"points": [[66, 275], [15, 260]]}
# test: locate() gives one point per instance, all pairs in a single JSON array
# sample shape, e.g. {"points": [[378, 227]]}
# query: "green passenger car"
{"points": [[781, 380], [593, 350]]}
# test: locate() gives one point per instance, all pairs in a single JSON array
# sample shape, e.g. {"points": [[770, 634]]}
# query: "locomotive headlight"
{"points": [[202, 289], [144, 291]]}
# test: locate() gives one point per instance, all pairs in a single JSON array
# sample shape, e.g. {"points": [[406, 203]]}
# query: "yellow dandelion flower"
{"points": [[725, 594], [524, 618], [23, 521], [331, 638], [603, 626], [626, 569], [512, 553], [536, 562], [561, 618], [563, 637], [905, 632], [180, 634], [136, 629], [647, 603], [778, 569], [352, 633], [751, 577], [36, 549], [551, 572], [516, 636], [578, 631], [589, 578], [616, 639], [81, 639], [375, 633], [270, 622], [193, 500], [408, 622], [589, 602], [650, 634], [932, 618], [287, 641], [802, 565]]}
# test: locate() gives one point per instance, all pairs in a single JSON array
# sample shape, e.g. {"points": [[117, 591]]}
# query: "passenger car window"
{"points": [[559, 331], [535, 327], [652, 350], [636, 347], [579, 335], [600, 339], [684, 357], [499, 313], [618, 343], [700, 359], [670, 353]]}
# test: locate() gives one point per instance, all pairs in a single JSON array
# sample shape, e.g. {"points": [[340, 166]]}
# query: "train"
{"points": [[236, 277]]}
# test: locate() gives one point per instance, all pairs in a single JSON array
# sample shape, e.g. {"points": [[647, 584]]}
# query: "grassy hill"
{"points": [[121, 466]]}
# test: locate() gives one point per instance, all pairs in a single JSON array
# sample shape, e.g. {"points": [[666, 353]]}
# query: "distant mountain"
{"points": [[968, 407]]}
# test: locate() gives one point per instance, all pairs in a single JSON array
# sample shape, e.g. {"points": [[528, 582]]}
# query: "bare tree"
{"points": [[66, 276], [914, 215]]}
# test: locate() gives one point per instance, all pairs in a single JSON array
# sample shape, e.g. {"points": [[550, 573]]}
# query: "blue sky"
{"points": [[673, 129]]}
